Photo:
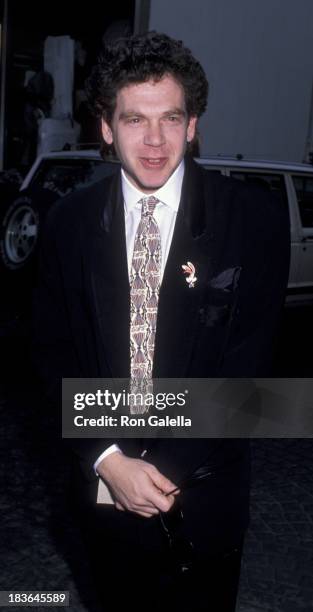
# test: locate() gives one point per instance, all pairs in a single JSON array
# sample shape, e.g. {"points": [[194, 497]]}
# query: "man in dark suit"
{"points": [[113, 301]]}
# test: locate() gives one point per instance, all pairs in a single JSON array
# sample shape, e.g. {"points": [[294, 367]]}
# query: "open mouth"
{"points": [[153, 162]]}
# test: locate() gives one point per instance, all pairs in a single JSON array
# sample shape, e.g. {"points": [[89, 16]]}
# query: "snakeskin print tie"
{"points": [[145, 278]]}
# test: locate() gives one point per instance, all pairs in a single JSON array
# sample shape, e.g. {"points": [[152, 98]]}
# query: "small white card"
{"points": [[104, 496]]}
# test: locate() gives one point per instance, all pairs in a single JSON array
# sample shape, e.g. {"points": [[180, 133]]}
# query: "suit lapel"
{"points": [[109, 282], [178, 309]]}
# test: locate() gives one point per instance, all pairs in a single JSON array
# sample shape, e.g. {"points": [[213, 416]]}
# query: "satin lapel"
{"points": [[178, 309], [110, 284]]}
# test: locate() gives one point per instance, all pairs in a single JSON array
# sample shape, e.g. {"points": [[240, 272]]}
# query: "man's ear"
{"points": [[106, 132], [191, 128]]}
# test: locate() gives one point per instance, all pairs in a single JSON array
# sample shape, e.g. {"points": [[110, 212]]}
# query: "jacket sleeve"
{"points": [[53, 347]]}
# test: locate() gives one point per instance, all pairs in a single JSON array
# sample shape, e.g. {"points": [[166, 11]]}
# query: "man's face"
{"points": [[150, 130]]}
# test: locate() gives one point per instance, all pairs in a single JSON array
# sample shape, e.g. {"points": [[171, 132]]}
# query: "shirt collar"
{"points": [[168, 194]]}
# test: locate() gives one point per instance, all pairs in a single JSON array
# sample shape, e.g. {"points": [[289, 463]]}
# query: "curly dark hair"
{"points": [[137, 59]]}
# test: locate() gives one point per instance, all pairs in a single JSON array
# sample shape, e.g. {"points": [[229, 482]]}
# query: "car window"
{"points": [[66, 175], [274, 182], [304, 190]]}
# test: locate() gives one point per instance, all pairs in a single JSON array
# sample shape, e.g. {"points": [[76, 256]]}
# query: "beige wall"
{"points": [[258, 55]]}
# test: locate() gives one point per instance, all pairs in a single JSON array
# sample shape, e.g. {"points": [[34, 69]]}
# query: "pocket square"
{"points": [[227, 280]]}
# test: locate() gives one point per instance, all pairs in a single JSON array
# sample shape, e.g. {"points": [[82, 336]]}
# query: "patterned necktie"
{"points": [[144, 294]]}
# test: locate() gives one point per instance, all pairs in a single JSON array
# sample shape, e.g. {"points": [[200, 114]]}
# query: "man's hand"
{"points": [[136, 485]]}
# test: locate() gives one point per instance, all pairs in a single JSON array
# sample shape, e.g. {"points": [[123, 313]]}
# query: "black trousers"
{"points": [[133, 567]]}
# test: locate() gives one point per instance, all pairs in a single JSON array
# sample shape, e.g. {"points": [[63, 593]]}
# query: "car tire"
{"points": [[21, 224]]}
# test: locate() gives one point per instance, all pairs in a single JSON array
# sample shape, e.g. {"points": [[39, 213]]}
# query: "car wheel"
{"points": [[20, 228], [19, 233]]}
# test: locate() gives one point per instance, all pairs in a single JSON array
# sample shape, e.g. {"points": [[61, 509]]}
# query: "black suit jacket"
{"points": [[238, 239]]}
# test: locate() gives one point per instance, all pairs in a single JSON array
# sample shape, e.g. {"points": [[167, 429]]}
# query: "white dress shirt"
{"points": [[165, 215]]}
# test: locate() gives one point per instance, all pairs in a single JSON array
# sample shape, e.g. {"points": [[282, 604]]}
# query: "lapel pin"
{"points": [[190, 270]]}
